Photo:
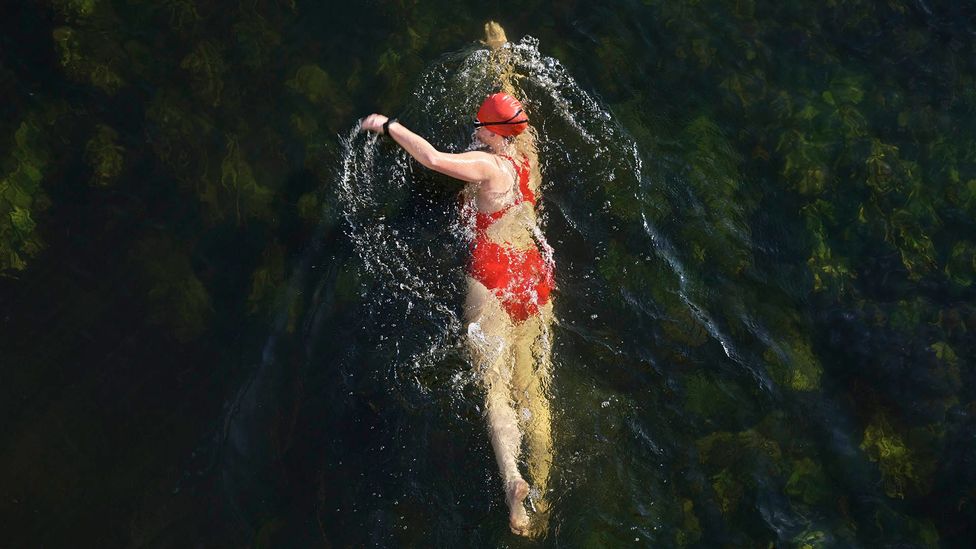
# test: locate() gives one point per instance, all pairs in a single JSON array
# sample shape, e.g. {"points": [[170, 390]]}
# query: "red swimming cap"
{"points": [[502, 114]]}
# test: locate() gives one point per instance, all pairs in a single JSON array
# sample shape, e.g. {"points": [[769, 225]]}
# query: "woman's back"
{"points": [[505, 217]]}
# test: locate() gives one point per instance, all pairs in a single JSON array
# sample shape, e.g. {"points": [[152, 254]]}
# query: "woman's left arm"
{"points": [[469, 166]]}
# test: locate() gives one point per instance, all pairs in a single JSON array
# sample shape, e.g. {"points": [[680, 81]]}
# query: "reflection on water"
{"points": [[229, 318]]}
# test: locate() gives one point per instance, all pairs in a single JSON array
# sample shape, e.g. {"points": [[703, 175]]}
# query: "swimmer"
{"points": [[508, 307]]}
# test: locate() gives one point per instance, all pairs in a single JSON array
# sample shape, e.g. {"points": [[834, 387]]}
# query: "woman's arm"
{"points": [[469, 166]]}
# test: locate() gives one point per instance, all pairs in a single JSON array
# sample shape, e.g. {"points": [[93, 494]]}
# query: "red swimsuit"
{"points": [[521, 279]]}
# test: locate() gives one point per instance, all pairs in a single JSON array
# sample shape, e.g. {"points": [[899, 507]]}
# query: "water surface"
{"points": [[229, 318]]}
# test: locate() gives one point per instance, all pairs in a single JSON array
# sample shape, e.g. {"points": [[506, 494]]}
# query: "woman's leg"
{"points": [[489, 343], [530, 388]]}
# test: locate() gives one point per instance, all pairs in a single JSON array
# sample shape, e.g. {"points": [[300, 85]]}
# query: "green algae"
{"points": [[811, 540], [177, 299], [728, 491], [961, 266], [207, 68], [238, 187], [76, 8], [907, 529], [690, 531], [105, 156], [807, 482], [257, 40], [179, 135], [314, 83], [710, 398], [732, 460], [794, 366], [22, 197], [95, 64], [714, 176], [904, 469], [309, 207]]}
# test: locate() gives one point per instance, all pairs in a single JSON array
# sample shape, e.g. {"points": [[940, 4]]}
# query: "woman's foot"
{"points": [[518, 519]]}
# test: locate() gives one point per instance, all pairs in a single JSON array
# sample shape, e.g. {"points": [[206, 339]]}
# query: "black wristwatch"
{"points": [[386, 125]]}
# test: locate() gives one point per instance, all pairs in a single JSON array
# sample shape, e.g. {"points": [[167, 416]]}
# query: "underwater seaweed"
{"points": [[177, 298], [105, 156], [207, 68], [22, 197], [903, 470]]}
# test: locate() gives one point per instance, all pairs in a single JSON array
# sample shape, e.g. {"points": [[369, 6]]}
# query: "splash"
{"points": [[416, 262]]}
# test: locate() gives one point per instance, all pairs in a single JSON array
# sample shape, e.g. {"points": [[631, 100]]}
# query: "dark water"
{"points": [[229, 319]]}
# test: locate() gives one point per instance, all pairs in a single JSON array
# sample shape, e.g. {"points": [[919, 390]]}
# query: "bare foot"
{"points": [[518, 519], [539, 507], [494, 35]]}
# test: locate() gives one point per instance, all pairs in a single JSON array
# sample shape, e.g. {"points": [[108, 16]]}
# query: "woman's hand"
{"points": [[374, 123]]}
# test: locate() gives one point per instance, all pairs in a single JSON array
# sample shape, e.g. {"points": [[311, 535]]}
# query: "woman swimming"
{"points": [[508, 307]]}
